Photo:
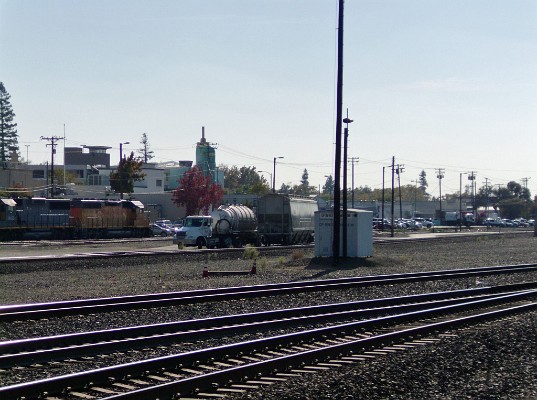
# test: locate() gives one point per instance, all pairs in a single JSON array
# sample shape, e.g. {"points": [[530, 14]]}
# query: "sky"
{"points": [[437, 84]]}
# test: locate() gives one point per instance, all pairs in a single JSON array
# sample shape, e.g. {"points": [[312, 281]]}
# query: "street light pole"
{"points": [[274, 176], [460, 202], [346, 121]]}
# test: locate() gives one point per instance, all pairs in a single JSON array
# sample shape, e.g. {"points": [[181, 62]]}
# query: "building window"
{"points": [[38, 174], [159, 182]]}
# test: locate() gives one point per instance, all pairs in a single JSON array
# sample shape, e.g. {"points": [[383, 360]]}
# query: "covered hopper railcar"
{"points": [[286, 220]]}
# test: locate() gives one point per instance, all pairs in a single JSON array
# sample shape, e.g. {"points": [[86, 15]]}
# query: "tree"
{"points": [[285, 189], [423, 185], [145, 153], [513, 208], [244, 180], [129, 170], [304, 188], [197, 193], [328, 186], [8, 131]]}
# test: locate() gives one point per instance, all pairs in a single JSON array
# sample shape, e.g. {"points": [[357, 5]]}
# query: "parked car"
{"points": [[170, 226], [161, 230], [508, 223], [425, 223]]}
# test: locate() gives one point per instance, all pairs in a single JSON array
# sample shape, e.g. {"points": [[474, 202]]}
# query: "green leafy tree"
{"points": [[8, 129], [244, 180], [513, 208], [61, 179], [145, 152], [197, 193], [129, 170]]}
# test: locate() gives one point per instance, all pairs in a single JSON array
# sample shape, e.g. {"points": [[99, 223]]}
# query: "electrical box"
{"points": [[359, 233]]}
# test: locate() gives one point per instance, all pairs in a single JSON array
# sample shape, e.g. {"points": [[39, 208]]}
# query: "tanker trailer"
{"points": [[228, 226], [286, 220]]}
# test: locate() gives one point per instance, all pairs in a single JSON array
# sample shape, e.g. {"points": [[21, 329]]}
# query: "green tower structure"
{"points": [[205, 157]]}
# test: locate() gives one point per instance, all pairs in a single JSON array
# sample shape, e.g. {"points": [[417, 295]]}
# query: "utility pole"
{"points": [[400, 169], [383, 168], [525, 182], [52, 144], [440, 176], [471, 177], [487, 193], [339, 121], [352, 161], [346, 121], [393, 194]]}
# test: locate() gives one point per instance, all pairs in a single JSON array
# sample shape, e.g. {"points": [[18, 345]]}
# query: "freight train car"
{"points": [[40, 218], [286, 220], [109, 218]]}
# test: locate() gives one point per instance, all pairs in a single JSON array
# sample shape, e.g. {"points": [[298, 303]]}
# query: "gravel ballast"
{"points": [[493, 361]]}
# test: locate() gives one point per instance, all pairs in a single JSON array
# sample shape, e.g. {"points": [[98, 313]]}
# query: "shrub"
{"points": [[250, 253], [297, 255]]}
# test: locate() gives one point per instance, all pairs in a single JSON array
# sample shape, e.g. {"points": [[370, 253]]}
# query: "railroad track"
{"points": [[148, 301], [380, 240], [354, 335], [70, 346]]}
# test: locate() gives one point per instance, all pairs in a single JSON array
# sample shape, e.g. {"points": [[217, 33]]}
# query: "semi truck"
{"points": [[453, 218], [278, 219], [228, 226]]}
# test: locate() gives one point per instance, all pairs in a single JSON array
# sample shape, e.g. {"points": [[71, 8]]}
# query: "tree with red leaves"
{"points": [[197, 193]]}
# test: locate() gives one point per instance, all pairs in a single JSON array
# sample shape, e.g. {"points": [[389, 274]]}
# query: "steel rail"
{"points": [[59, 384], [90, 306], [76, 345], [226, 377]]}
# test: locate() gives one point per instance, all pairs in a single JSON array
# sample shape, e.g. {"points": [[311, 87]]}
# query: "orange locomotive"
{"points": [[41, 218]]}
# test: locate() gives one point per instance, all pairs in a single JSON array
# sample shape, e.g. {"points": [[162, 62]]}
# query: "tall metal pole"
{"points": [[347, 121], [393, 194], [274, 176], [382, 199], [460, 202], [52, 144], [64, 182], [440, 176], [399, 172], [352, 160], [339, 112]]}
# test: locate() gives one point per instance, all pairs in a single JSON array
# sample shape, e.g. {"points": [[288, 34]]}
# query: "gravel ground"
{"points": [[494, 361]]}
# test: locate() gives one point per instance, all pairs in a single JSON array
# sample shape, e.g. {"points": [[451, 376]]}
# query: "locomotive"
{"points": [[42, 218]]}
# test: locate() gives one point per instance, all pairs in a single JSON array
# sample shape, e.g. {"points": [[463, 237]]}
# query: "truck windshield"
{"points": [[195, 222]]}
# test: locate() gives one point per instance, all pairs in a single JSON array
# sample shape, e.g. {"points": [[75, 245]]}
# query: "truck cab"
{"points": [[196, 231]]}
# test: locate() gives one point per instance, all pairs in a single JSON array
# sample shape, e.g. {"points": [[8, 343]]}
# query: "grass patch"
{"points": [[250, 253], [297, 255]]}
